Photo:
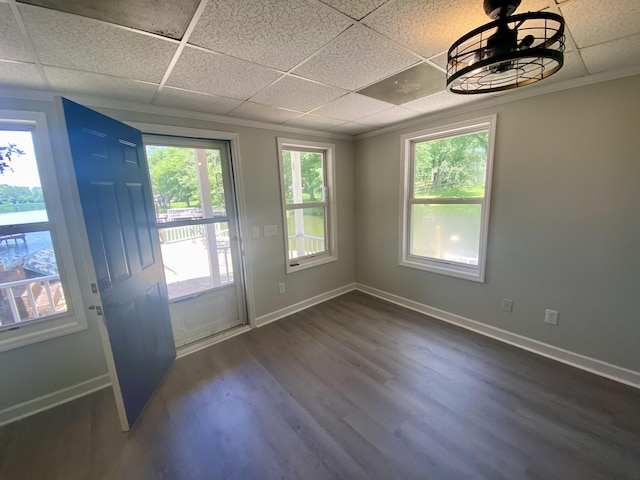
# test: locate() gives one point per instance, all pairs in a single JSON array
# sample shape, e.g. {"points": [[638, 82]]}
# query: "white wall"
{"points": [[564, 231]]}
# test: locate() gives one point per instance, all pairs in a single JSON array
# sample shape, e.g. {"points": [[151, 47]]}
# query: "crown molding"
{"points": [[502, 98], [92, 102], [208, 117]]}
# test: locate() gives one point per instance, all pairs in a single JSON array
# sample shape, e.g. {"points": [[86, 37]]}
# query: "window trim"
{"points": [[331, 230], [60, 218], [445, 267]]}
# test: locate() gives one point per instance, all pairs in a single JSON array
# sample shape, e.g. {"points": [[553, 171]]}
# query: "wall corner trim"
{"points": [[51, 400], [592, 365], [263, 320]]}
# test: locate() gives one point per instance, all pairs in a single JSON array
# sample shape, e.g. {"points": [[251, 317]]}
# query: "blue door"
{"points": [[113, 183]]}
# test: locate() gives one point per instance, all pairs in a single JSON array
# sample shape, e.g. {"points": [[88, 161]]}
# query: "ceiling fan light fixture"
{"points": [[510, 52]]}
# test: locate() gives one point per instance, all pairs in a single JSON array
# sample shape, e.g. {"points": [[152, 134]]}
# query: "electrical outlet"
{"points": [[551, 317], [281, 288], [507, 305]]}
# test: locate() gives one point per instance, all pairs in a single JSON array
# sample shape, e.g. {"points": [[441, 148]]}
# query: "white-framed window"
{"points": [[446, 189], [307, 186], [38, 279]]}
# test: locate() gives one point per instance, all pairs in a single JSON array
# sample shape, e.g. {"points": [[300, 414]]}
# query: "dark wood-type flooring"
{"points": [[352, 388]]}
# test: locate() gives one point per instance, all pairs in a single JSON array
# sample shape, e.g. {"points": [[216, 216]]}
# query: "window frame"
{"points": [[60, 217], [430, 264], [331, 227]]}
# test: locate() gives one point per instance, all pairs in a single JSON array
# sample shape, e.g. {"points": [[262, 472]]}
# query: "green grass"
{"points": [[450, 192]]}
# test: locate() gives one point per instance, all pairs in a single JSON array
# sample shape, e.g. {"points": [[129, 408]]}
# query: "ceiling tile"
{"points": [[356, 58], [351, 128], [430, 27], [392, 115], [216, 74], [67, 81], [440, 60], [355, 8], [169, 18], [13, 45], [441, 101], [17, 74], [314, 121], [415, 82], [275, 33], [297, 94], [573, 68], [352, 106], [262, 113], [616, 55], [64, 40], [199, 102], [596, 21]]}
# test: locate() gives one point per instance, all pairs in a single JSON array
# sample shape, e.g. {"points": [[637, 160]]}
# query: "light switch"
{"points": [[270, 230], [256, 232]]}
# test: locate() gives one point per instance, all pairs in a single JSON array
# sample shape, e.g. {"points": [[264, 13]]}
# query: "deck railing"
{"points": [[310, 245], [28, 301]]}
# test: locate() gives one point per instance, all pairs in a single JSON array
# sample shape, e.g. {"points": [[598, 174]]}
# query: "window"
{"points": [[35, 294], [446, 192], [306, 176], [192, 190]]}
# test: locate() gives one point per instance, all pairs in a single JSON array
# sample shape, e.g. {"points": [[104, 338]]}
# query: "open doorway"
{"points": [[196, 216]]}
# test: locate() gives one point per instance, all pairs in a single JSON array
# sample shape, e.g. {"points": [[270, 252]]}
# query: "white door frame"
{"points": [[234, 146]]}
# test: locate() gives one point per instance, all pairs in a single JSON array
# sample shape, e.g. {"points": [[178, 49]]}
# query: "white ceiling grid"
{"points": [[290, 62]]}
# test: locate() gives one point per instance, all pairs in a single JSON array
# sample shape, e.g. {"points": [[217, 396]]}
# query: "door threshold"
{"points": [[198, 345]]}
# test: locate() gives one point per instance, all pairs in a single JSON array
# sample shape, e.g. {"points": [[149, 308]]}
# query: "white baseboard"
{"points": [[297, 307], [598, 367], [194, 347], [45, 402]]}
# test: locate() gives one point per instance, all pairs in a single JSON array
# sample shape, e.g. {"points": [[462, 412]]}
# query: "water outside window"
{"points": [[30, 285]]}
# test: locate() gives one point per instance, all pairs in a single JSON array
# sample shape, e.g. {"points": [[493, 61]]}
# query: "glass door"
{"points": [[196, 216]]}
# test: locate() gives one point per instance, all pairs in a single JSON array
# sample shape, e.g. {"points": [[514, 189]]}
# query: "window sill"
{"points": [[309, 262], [28, 333], [475, 274]]}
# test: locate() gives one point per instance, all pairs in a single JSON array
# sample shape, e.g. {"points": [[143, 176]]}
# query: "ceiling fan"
{"points": [[509, 52]]}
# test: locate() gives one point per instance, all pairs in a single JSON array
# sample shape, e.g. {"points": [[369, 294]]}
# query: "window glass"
{"points": [[176, 174], [189, 194], [303, 176], [446, 232], [447, 177], [305, 231], [30, 286], [308, 207], [452, 167]]}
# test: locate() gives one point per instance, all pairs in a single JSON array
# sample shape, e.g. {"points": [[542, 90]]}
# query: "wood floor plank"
{"points": [[354, 388]]}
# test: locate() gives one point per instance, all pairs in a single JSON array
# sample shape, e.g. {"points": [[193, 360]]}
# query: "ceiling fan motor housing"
{"points": [[500, 8]]}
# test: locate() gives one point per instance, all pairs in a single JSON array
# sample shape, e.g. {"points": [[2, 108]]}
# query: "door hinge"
{"points": [[97, 308], [94, 288]]}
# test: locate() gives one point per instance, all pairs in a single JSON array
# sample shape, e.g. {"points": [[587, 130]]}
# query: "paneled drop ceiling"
{"points": [[292, 62]]}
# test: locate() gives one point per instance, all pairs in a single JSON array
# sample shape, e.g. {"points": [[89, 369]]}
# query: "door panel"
{"points": [[140, 212], [113, 183], [111, 233]]}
